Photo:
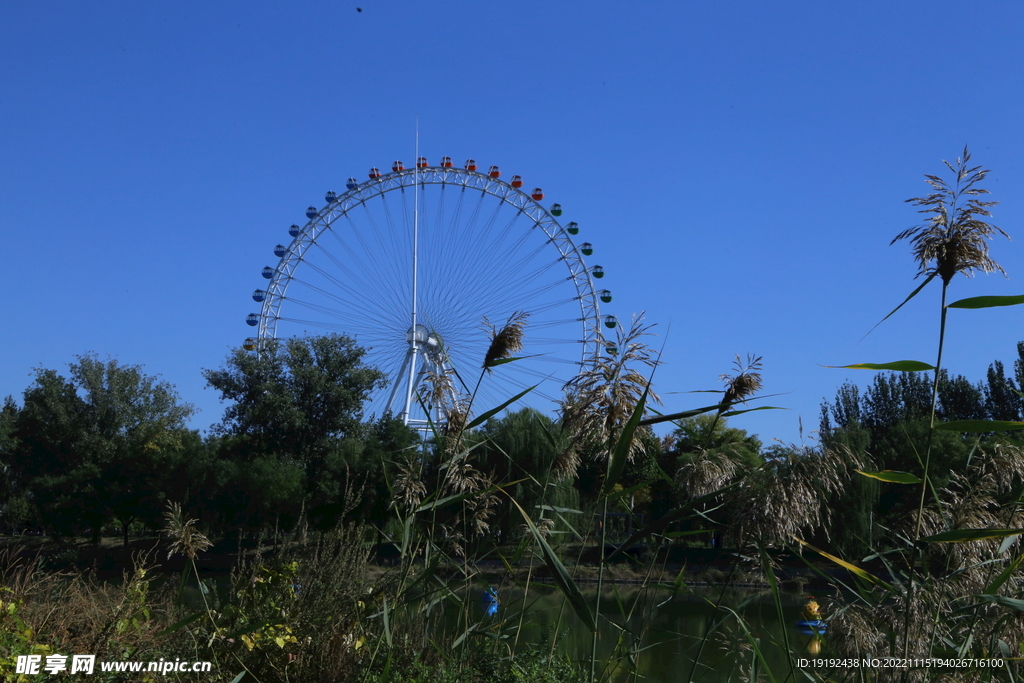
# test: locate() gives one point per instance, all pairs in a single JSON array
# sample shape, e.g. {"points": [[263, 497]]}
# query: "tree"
{"points": [[95, 445], [299, 403], [708, 455], [1002, 401], [14, 507], [295, 398], [525, 447]]}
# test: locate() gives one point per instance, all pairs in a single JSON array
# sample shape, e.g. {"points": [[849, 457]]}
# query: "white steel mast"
{"points": [[414, 331]]}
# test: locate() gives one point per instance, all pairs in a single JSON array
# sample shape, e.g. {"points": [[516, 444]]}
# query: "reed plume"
{"points": [[600, 400], [505, 341], [185, 538], [954, 238], [744, 384]]}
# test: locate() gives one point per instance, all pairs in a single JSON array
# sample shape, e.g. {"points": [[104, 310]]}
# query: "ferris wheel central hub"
{"points": [[421, 335], [425, 342]]}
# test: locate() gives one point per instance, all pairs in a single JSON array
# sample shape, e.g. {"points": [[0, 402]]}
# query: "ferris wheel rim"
{"points": [[361, 193]]}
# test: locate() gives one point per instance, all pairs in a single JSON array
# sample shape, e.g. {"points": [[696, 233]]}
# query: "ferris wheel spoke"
{"points": [[504, 388], [398, 285], [555, 341], [355, 320], [381, 310], [376, 299], [363, 283], [374, 253], [489, 252]]}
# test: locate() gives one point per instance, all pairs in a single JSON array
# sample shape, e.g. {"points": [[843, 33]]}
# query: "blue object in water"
{"points": [[490, 600], [810, 627]]}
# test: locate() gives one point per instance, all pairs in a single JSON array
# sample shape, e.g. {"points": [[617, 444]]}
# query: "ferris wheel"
{"points": [[411, 264]]}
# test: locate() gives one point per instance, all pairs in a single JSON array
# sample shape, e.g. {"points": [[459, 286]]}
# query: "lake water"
{"points": [[658, 629]]}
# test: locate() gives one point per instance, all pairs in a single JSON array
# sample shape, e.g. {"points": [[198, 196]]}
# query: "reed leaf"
{"points": [[898, 365], [909, 297], [892, 476], [966, 535], [980, 426], [998, 582], [674, 516], [773, 583], [755, 645], [987, 302], [683, 415], [733, 413], [458, 497], [559, 573], [857, 571], [494, 411], [1012, 603]]}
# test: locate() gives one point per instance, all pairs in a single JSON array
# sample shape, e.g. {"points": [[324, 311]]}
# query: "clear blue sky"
{"points": [[740, 167]]}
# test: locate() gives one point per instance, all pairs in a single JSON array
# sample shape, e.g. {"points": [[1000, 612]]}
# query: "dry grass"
{"points": [[788, 495], [969, 501], [601, 399], [707, 473]]}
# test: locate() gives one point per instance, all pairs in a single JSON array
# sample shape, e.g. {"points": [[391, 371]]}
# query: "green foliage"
{"points": [[523, 447], [708, 433], [93, 445], [295, 398], [293, 438], [16, 637]]}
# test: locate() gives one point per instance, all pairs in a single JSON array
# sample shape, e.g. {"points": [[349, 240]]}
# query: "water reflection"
{"points": [[658, 631]]}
